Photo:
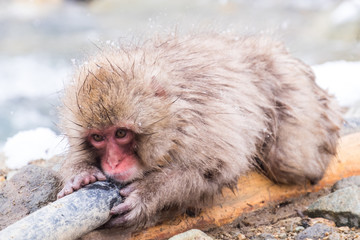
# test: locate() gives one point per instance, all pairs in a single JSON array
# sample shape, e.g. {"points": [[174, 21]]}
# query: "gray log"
{"points": [[69, 217]]}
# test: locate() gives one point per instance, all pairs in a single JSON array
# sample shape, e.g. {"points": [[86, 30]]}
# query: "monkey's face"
{"points": [[115, 147]]}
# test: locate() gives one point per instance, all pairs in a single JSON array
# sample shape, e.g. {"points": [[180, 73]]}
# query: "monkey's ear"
{"points": [[159, 91]]}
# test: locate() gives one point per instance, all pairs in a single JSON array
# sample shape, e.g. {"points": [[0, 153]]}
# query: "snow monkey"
{"points": [[177, 119]]}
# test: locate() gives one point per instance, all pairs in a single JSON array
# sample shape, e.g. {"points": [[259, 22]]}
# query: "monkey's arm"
{"points": [[166, 189]]}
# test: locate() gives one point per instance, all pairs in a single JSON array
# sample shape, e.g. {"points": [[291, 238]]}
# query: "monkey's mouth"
{"points": [[124, 176], [123, 170]]}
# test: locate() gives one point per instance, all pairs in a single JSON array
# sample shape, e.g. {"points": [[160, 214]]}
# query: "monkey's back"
{"points": [[247, 101]]}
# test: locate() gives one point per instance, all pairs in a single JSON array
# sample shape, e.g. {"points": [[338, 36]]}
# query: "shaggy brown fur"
{"points": [[205, 109]]}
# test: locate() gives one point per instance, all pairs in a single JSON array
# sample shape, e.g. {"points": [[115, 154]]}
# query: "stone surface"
{"points": [[69, 217], [28, 190], [193, 234], [334, 236], [346, 182], [341, 206], [318, 231], [351, 125], [264, 236]]}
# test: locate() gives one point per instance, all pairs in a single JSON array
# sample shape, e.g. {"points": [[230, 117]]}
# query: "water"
{"points": [[40, 40]]}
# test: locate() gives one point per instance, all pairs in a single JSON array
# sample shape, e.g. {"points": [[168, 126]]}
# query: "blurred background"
{"points": [[41, 40]]}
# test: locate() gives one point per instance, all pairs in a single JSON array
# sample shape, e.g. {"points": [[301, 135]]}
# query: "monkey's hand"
{"points": [[132, 213], [81, 180], [147, 199]]}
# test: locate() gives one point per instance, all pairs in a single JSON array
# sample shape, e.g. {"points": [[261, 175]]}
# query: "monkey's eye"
{"points": [[97, 137], [120, 133]]}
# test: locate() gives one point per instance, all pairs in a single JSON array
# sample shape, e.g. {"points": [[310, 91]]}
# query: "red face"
{"points": [[115, 146]]}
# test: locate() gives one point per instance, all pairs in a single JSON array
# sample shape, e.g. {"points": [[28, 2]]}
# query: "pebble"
{"points": [[264, 236], [334, 236], [191, 235], [241, 236], [282, 235], [344, 229], [318, 231]]}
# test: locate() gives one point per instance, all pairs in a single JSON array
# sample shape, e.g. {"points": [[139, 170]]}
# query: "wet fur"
{"points": [[206, 108]]}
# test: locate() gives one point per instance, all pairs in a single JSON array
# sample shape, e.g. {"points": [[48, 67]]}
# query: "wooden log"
{"points": [[69, 217], [255, 191]]}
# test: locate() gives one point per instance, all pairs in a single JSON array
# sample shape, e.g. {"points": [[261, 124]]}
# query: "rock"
{"points": [[28, 190], [341, 206], [53, 163], [193, 234], [264, 236], [318, 231], [11, 173], [351, 125], [344, 229], [69, 217], [282, 235], [346, 182], [241, 236], [290, 223], [334, 236], [325, 221]]}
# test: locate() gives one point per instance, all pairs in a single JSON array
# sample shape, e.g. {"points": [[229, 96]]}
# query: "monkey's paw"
{"points": [[81, 180], [132, 213]]}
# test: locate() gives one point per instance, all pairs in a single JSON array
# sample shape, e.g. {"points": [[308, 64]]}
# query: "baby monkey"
{"points": [[177, 119]]}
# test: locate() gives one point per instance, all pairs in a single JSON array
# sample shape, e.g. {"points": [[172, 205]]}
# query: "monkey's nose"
{"points": [[114, 155], [113, 162]]}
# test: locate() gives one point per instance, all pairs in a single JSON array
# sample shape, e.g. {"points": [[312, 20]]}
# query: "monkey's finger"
{"points": [[80, 181], [68, 189], [125, 192], [77, 182], [99, 176], [120, 209], [86, 180], [92, 179], [115, 222], [60, 194]]}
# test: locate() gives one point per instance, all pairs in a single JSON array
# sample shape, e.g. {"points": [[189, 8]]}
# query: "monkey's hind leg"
{"points": [[303, 146]]}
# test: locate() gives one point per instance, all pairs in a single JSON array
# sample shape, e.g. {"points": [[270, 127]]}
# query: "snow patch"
{"points": [[26, 146], [347, 11], [340, 78], [30, 77]]}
